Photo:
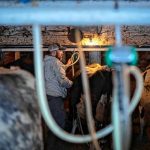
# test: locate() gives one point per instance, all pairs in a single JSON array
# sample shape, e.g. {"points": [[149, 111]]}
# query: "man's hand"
{"points": [[69, 62]]}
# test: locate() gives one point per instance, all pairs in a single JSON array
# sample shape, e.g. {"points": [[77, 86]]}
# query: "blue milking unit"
{"points": [[86, 13], [121, 55], [119, 58]]}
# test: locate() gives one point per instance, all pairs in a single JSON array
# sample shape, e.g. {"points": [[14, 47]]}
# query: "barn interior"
{"points": [[20, 22]]}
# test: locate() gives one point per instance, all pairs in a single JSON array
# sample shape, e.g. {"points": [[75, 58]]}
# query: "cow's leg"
{"points": [[147, 121], [142, 124]]}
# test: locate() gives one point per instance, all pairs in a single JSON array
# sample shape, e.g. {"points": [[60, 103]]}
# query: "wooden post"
{"points": [[17, 55]]}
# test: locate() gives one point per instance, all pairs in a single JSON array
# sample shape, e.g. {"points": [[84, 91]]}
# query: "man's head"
{"points": [[56, 51]]}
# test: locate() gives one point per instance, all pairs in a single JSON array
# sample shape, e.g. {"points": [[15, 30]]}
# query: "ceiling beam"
{"points": [[68, 49]]}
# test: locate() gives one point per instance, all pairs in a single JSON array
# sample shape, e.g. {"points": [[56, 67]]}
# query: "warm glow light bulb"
{"points": [[92, 41]]}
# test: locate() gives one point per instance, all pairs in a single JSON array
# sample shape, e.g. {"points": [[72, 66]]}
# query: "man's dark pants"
{"points": [[56, 105]]}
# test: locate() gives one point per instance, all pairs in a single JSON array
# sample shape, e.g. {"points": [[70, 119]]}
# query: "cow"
{"points": [[140, 116], [100, 82], [25, 63], [144, 106], [20, 119]]}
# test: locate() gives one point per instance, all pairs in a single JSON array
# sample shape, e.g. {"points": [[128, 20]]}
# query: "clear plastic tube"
{"points": [[139, 87], [115, 107]]}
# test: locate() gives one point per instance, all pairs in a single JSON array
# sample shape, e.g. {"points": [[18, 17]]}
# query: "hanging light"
{"points": [[91, 41]]}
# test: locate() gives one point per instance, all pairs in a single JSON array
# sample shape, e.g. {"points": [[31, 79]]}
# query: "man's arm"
{"points": [[61, 76], [69, 62]]}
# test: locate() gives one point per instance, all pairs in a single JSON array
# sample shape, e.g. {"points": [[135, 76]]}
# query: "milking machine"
{"points": [[121, 58], [74, 59]]}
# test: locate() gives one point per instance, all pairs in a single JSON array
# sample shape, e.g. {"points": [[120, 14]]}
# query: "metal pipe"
{"points": [[67, 50], [67, 13], [118, 35], [108, 3]]}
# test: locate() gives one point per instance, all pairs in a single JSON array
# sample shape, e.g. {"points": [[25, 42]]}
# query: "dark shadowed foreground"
{"points": [[54, 143]]}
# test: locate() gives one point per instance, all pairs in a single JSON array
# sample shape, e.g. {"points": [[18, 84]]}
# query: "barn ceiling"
{"points": [[22, 35], [104, 34]]}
